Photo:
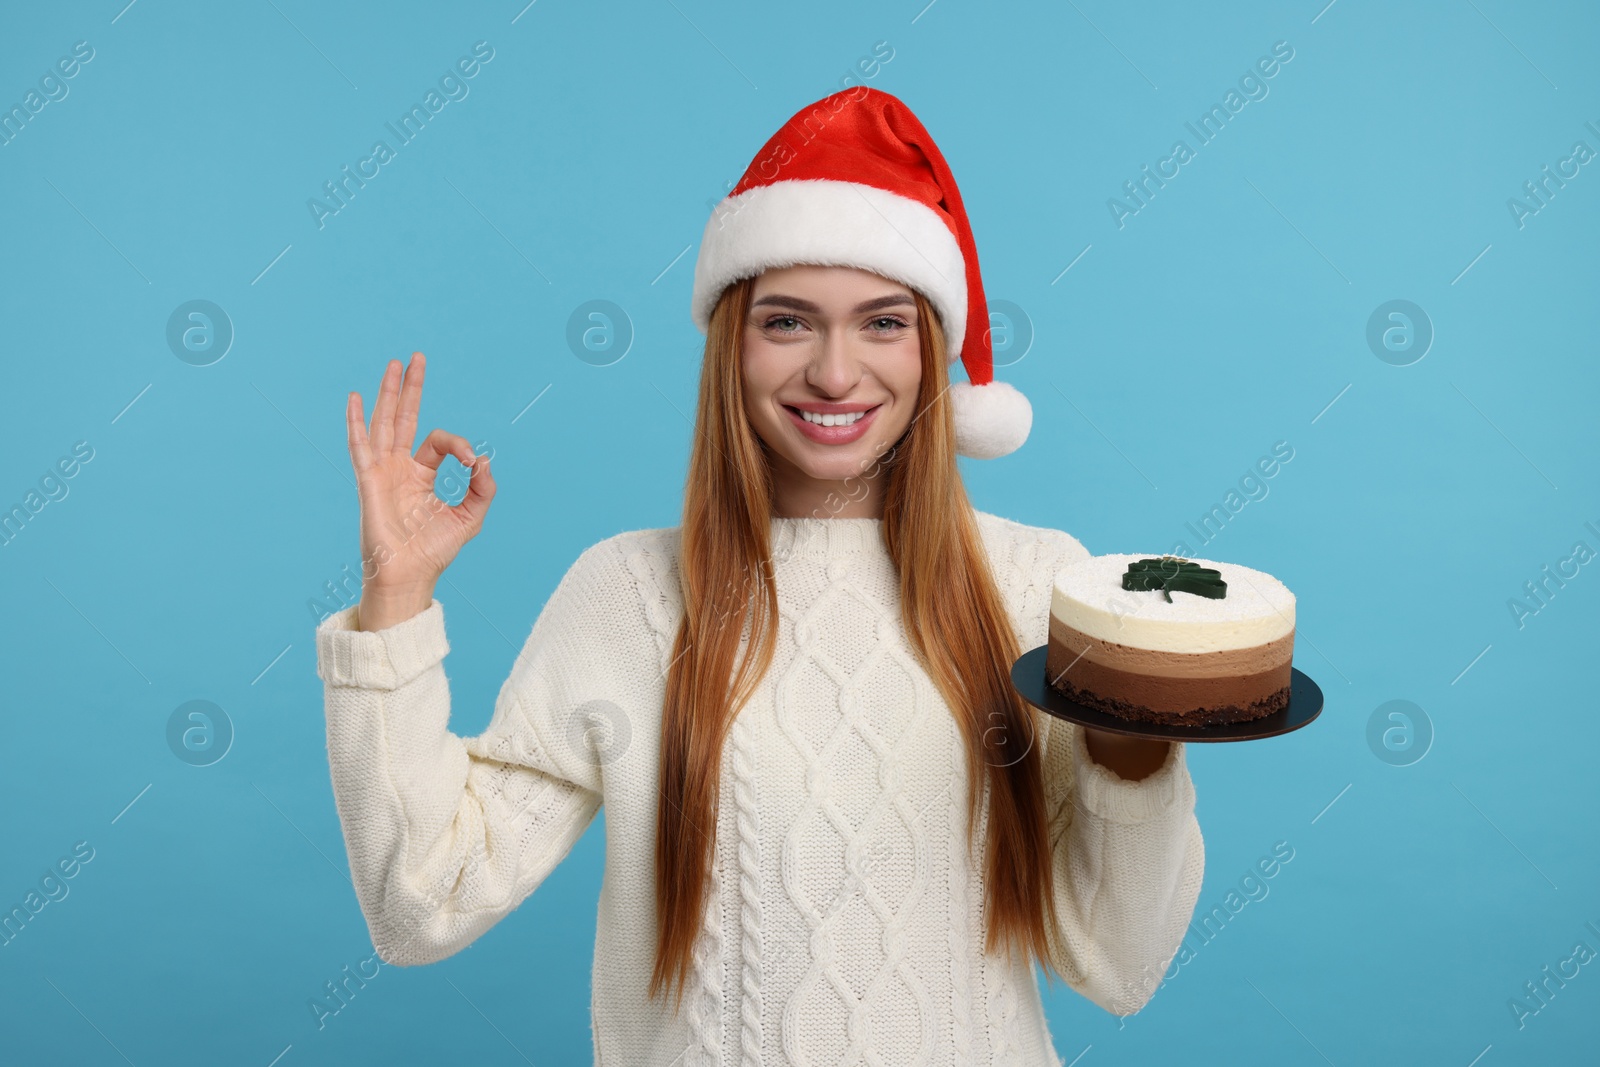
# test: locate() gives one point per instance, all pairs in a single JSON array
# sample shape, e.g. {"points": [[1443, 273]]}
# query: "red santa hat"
{"points": [[855, 180]]}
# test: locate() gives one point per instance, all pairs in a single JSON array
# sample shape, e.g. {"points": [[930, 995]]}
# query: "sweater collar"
{"points": [[814, 537]]}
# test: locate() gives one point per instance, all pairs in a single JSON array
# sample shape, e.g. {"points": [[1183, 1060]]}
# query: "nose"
{"points": [[834, 368]]}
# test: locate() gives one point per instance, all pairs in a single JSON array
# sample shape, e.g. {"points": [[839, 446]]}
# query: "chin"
{"points": [[835, 463], [836, 469]]}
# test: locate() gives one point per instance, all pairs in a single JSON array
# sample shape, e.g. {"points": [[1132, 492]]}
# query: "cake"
{"points": [[1170, 640]]}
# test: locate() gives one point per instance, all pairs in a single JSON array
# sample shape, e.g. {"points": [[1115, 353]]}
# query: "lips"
{"points": [[834, 435]]}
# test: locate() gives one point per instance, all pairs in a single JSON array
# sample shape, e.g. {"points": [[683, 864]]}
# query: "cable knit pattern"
{"points": [[744, 792], [705, 1014], [845, 921], [963, 936]]}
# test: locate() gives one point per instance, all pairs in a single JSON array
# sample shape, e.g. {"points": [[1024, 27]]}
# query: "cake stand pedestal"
{"points": [[1029, 679]]}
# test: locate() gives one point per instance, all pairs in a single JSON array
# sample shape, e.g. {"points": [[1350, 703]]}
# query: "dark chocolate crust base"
{"points": [[1197, 717]]}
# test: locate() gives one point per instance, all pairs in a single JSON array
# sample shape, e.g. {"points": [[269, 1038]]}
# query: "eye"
{"points": [[892, 321], [781, 318]]}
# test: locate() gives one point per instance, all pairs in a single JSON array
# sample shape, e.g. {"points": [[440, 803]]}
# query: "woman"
{"points": [[834, 832]]}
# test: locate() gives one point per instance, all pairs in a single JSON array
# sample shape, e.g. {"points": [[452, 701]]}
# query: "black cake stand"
{"points": [[1028, 676]]}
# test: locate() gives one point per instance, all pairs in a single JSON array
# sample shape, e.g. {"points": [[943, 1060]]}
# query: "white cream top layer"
{"points": [[1089, 597]]}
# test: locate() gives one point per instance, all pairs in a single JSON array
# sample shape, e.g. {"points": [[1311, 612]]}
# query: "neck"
{"points": [[796, 496], [830, 506]]}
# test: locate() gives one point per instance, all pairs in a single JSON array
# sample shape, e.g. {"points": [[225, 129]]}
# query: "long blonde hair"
{"points": [[953, 615]]}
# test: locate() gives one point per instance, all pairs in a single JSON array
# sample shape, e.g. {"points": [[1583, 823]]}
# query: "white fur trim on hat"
{"points": [[991, 420], [833, 223]]}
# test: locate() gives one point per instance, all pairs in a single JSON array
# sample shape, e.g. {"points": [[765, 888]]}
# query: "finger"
{"points": [[440, 444], [356, 431], [383, 411], [480, 491], [405, 423]]}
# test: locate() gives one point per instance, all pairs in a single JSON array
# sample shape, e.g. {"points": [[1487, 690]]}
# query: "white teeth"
{"points": [[831, 420]]}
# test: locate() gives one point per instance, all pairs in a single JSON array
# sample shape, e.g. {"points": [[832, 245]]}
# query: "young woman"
{"points": [[834, 832]]}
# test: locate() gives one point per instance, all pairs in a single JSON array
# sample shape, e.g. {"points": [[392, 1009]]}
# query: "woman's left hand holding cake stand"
{"points": [[1132, 758]]}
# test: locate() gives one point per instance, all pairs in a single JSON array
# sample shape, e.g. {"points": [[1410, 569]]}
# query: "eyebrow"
{"points": [[893, 300]]}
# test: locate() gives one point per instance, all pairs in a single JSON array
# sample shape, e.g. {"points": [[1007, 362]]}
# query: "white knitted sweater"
{"points": [[845, 924]]}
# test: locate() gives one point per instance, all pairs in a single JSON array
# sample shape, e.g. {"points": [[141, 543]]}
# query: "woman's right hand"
{"points": [[408, 534]]}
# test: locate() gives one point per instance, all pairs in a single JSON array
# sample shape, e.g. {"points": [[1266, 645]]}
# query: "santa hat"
{"points": [[855, 180]]}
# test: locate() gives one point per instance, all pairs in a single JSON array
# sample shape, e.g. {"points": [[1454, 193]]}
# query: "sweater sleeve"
{"points": [[446, 835], [1129, 858], [1129, 861]]}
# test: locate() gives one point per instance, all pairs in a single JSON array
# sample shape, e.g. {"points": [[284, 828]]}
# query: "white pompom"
{"points": [[991, 420]]}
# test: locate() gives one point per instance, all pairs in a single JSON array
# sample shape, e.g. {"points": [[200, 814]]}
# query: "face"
{"points": [[829, 345]]}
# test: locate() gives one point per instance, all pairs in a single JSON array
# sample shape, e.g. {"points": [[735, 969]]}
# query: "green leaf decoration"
{"points": [[1175, 572]]}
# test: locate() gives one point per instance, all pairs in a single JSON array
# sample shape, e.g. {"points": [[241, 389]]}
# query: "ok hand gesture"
{"points": [[408, 533]]}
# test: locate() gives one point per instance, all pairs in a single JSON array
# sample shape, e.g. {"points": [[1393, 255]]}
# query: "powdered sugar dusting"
{"points": [[1089, 596]]}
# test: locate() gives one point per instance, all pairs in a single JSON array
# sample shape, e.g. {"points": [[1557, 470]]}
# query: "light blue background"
{"points": [[1227, 315]]}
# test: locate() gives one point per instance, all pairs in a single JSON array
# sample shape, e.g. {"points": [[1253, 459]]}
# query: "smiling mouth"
{"points": [[843, 419]]}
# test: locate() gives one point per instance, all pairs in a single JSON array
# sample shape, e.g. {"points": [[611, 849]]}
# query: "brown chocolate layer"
{"points": [[1220, 664], [1074, 670], [1204, 717]]}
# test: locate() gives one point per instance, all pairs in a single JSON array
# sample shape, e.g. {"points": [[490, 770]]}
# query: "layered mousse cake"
{"points": [[1170, 640]]}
